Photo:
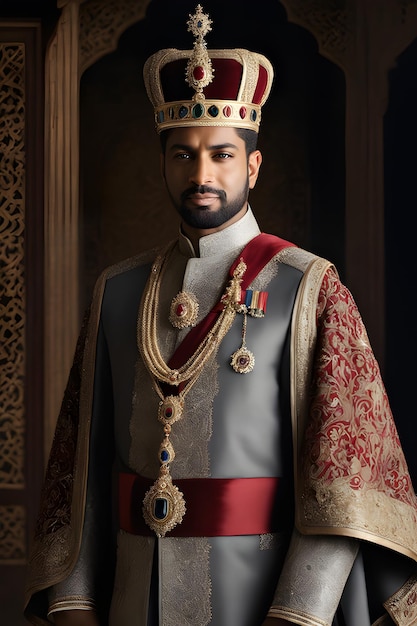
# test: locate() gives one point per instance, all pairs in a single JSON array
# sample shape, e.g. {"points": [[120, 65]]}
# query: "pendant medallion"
{"points": [[163, 504], [242, 361], [184, 310]]}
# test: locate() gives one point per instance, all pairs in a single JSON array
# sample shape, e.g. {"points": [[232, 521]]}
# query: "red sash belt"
{"points": [[215, 506]]}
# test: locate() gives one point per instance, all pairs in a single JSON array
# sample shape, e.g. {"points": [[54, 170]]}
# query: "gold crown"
{"points": [[202, 87]]}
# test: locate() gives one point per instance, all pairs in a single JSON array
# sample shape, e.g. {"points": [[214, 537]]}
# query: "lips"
{"points": [[201, 196], [202, 199]]}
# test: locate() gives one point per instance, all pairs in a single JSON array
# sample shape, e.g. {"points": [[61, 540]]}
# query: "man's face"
{"points": [[208, 175]]}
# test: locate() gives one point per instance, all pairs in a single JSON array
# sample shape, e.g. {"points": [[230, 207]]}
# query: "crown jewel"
{"points": [[228, 86], [199, 71], [199, 24]]}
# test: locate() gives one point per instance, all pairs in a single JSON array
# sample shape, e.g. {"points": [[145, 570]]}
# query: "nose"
{"points": [[201, 171]]}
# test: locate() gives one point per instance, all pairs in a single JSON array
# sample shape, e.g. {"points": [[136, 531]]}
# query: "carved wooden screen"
{"points": [[21, 468]]}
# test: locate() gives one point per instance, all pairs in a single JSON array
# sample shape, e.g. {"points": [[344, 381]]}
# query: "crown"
{"points": [[202, 87]]}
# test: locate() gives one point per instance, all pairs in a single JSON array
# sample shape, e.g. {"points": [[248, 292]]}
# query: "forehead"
{"points": [[205, 137]]}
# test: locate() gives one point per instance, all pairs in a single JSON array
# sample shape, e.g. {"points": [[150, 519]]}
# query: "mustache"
{"points": [[202, 189]]}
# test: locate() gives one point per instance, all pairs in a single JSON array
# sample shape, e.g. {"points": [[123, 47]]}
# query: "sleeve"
{"points": [[80, 590], [317, 567], [77, 591], [313, 578]]}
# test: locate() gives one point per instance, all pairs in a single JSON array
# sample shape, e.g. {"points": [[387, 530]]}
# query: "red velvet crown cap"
{"points": [[239, 87], [225, 85]]}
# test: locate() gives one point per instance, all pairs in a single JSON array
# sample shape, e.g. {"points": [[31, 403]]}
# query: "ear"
{"points": [[254, 164]]}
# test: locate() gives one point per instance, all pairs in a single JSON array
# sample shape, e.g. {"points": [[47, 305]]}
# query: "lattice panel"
{"points": [[12, 282], [12, 534]]}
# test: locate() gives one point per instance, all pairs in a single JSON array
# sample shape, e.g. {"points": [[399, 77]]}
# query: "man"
{"points": [[224, 412]]}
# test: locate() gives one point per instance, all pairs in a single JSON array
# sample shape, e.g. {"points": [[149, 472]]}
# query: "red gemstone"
{"points": [[227, 111], [180, 310], [168, 412], [242, 112], [198, 72]]}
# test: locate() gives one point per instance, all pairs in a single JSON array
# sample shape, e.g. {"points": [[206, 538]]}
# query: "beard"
{"points": [[203, 217]]}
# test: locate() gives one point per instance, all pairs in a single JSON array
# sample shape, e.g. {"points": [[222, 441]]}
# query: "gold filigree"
{"points": [[184, 310], [243, 361], [170, 410], [199, 24], [199, 71], [163, 504]]}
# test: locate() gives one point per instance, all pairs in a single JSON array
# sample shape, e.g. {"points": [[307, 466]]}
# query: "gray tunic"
{"points": [[234, 426]]}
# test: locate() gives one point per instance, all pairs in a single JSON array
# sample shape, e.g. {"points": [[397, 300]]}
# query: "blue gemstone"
{"points": [[253, 115], [164, 456], [199, 23], [198, 111], [213, 110], [161, 508], [183, 112], [161, 116]]}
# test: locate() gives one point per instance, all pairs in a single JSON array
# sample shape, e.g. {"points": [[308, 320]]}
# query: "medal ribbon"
{"points": [[256, 254]]}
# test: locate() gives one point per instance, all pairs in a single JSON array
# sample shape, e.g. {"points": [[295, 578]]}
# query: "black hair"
{"points": [[250, 137]]}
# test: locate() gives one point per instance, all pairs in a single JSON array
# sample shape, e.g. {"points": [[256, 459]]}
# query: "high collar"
{"points": [[233, 237]]}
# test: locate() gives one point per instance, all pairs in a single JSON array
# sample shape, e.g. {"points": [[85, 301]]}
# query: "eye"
{"points": [[182, 156], [223, 155]]}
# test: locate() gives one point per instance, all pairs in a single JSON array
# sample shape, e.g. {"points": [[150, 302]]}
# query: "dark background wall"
{"points": [[400, 154]]}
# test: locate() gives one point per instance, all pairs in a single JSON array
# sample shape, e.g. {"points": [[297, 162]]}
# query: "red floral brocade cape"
{"points": [[351, 475]]}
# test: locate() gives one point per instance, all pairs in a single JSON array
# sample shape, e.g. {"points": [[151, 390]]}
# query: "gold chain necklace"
{"points": [[164, 504]]}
